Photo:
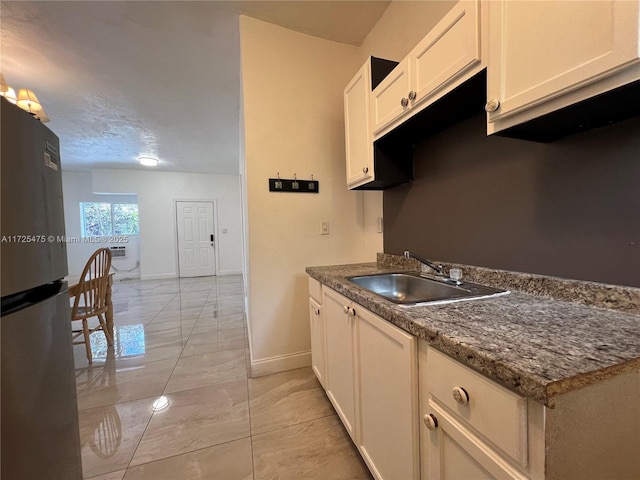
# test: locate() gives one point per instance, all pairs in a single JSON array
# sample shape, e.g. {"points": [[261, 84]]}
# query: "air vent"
{"points": [[118, 252]]}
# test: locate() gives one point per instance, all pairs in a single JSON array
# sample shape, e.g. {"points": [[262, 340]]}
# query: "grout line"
{"points": [[169, 379], [185, 453], [231, 290]]}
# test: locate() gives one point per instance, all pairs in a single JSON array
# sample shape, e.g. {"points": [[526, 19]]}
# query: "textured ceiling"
{"points": [[123, 79]]}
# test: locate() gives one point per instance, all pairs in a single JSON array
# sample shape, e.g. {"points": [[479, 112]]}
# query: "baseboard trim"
{"points": [[158, 276], [164, 276], [280, 363], [224, 273]]}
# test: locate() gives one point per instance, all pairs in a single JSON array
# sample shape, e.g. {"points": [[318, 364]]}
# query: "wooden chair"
{"points": [[90, 298]]}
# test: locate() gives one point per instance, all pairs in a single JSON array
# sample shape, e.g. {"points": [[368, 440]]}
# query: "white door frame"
{"points": [[216, 250]]}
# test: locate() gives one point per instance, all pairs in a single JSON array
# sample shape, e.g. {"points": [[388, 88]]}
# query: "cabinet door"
{"points": [[541, 50], [390, 99], [359, 145], [451, 452], [388, 377], [317, 340], [340, 360], [451, 48]]}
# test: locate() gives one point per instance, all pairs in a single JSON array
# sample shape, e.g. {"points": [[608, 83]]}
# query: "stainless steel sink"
{"points": [[406, 288]]}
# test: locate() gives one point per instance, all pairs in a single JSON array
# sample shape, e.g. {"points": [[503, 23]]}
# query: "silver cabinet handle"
{"points": [[317, 311], [430, 421], [404, 102], [460, 395], [365, 169], [346, 309], [412, 95], [492, 105]]}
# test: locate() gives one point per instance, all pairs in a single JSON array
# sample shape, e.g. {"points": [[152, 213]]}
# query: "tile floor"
{"points": [[172, 398]]}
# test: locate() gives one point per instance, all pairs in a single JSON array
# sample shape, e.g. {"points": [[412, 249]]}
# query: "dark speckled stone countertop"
{"points": [[536, 345]]}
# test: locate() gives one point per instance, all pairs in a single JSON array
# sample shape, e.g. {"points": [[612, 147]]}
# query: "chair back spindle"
{"points": [[91, 298], [93, 284]]}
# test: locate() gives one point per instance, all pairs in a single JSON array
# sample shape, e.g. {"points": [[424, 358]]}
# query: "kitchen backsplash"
{"points": [[569, 209]]}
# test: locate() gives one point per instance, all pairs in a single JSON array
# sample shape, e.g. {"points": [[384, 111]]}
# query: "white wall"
{"points": [[401, 27], [293, 118], [76, 189], [293, 123], [157, 193]]}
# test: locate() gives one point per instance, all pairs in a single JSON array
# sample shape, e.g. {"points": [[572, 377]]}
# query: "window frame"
{"points": [[83, 231]]}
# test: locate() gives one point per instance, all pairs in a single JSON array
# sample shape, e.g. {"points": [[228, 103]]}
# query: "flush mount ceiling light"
{"points": [[6, 91], [148, 161], [28, 101]]}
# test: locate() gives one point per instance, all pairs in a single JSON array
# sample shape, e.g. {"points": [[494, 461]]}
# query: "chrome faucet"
{"points": [[428, 263]]}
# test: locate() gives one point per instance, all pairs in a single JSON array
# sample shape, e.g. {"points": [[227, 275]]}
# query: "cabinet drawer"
{"points": [[493, 411], [315, 290]]}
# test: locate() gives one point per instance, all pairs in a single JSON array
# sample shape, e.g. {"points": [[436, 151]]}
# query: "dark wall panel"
{"points": [[569, 208]]}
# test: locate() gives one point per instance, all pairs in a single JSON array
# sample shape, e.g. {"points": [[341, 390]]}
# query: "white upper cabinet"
{"points": [[363, 169], [435, 66], [357, 133], [390, 99], [449, 50], [544, 56]]}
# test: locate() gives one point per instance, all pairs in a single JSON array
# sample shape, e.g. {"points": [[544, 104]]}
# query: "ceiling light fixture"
{"points": [[6, 91], [28, 101], [148, 161]]}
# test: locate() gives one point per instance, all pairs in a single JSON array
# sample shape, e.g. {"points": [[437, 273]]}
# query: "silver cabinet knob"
{"points": [[352, 312], [430, 421], [365, 169], [346, 309], [317, 311], [404, 102], [460, 395], [412, 95], [492, 105]]}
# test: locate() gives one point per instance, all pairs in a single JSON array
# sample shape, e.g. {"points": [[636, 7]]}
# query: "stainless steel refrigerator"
{"points": [[39, 421]]}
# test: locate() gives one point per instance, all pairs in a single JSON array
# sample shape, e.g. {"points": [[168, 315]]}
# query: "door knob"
{"points": [[412, 95], [404, 102]]}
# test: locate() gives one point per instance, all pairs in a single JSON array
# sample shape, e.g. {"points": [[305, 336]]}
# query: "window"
{"points": [[104, 219]]}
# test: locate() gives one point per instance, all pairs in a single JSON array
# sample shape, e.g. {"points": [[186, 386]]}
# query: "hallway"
{"points": [[172, 398]]}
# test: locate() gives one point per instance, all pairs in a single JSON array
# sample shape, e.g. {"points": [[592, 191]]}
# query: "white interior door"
{"points": [[196, 240]]}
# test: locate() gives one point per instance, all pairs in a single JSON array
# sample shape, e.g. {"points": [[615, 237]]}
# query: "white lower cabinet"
{"points": [[372, 381], [341, 368], [316, 318], [416, 413], [388, 393], [318, 334], [472, 428]]}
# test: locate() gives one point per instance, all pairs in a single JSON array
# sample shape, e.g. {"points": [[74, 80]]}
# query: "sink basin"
{"points": [[408, 289]]}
